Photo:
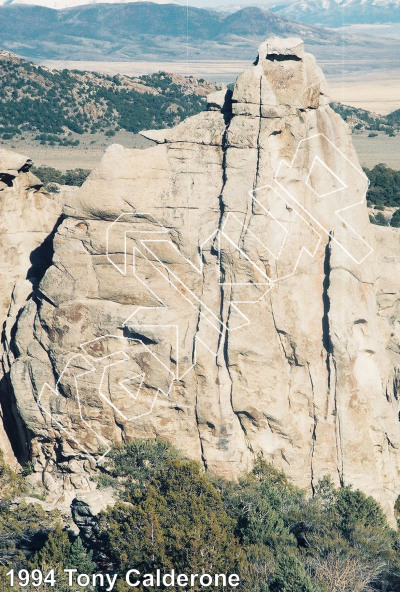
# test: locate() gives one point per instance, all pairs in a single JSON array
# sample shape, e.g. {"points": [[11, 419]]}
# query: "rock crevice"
{"points": [[209, 290]]}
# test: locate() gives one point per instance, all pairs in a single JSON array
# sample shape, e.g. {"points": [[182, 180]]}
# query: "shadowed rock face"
{"points": [[222, 289], [28, 216]]}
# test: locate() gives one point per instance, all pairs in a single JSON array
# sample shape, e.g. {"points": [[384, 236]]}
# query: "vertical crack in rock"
{"points": [[196, 406], [338, 434], [223, 340], [196, 414], [329, 359], [223, 336], [278, 331], [258, 139], [250, 207], [225, 351], [290, 359], [326, 337], [246, 222], [220, 220], [314, 431], [230, 156]]}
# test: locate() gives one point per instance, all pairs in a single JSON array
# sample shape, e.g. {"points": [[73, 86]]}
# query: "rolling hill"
{"points": [[326, 13], [149, 31], [59, 106]]}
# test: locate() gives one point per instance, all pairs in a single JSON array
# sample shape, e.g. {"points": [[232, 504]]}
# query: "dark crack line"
{"points": [[314, 432]]}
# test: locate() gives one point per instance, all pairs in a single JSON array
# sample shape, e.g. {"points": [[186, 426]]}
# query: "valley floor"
{"points": [[361, 83], [382, 148], [371, 151], [86, 155]]}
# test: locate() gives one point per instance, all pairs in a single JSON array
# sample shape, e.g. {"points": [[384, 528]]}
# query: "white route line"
{"points": [[194, 301], [284, 163], [92, 362]]}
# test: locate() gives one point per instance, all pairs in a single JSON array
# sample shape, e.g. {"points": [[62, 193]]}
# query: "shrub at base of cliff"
{"points": [[32, 538], [173, 515], [395, 220], [24, 527], [384, 188], [259, 504], [176, 522], [60, 553]]}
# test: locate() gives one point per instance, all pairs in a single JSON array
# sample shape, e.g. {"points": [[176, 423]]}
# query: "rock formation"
{"points": [[222, 289], [28, 216]]}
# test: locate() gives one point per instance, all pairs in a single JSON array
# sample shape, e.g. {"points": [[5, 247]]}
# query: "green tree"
{"points": [[59, 553], [264, 505], [48, 174], [384, 186], [76, 177], [395, 221], [22, 525], [80, 558], [290, 576], [379, 219], [56, 549], [178, 521]]}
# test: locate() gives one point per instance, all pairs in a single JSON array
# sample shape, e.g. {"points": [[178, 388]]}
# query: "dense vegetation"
{"points": [[270, 532], [384, 191], [24, 527], [50, 175], [170, 514], [59, 106]]}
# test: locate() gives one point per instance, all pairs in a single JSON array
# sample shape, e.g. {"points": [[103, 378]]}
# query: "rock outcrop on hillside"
{"points": [[222, 289]]}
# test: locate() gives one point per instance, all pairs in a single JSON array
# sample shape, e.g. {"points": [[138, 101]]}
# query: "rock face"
{"points": [[222, 289], [28, 217], [85, 509]]}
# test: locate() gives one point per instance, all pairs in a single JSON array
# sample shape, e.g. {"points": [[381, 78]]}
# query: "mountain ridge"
{"points": [[341, 13], [333, 13], [149, 31]]}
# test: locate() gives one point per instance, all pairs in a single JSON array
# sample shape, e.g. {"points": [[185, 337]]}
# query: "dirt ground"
{"points": [[382, 148], [85, 156], [371, 151], [373, 91]]}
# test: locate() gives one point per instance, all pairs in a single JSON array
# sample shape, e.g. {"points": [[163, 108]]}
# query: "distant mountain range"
{"points": [[327, 13], [60, 4], [149, 31], [339, 13]]}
